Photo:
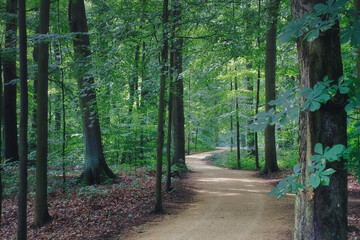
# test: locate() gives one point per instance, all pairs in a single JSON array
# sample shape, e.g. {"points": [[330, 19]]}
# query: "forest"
{"points": [[102, 102]]}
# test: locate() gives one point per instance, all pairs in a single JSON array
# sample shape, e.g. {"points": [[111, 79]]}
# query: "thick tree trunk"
{"points": [[324, 217], [22, 200], [160, 138], [9, 64], [270, 68], [95, 165], [41, 208], [178, 118]]}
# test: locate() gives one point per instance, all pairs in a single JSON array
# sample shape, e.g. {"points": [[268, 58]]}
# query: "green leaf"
{"points": [[325, 180], [319, 149], [314, 106], [314, 180], [314, 34], [327, 172]]}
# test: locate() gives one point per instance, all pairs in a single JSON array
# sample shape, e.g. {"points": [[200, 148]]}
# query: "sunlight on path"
{"points": [[230, 205]]}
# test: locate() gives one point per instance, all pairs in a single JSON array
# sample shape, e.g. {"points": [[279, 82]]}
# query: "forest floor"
{"points": [[227, 205], [209, 203]]}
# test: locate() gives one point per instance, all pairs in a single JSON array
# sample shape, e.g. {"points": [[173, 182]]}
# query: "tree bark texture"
{"points": [[270, 70], [22, 199], [95, 165], [324, 217], [178, 118], [41, 208], [9, 64], [160, 138]]}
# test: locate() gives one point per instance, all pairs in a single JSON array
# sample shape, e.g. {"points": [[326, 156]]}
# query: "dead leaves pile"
{"points": [[94, 212]]}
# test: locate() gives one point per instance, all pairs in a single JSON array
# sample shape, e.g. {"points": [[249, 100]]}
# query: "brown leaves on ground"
{"points": [[94, 212]]}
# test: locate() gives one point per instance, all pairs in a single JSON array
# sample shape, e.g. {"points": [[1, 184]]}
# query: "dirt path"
{"points": [[230, 205]]}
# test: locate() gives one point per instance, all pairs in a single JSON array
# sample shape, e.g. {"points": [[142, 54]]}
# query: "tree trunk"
{"points": [[256, 112], [324, 217], [238, 156], [9, 64], [41, 208], [270, 68], [22, 200], [160, 138], [250, 134], [168, 142], [133, 82], [231, 120], [189, 129], [357, 18], [1, 190], [95, 165], [178, 118]]}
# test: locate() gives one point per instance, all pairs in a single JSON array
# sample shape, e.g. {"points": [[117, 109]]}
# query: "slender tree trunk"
{"points": [[357, 18], [22, 201], [196, 137], [231, 121], [133, 82], [178, 118], [189, 129], [1, 102], [168, 142], [9, 64], [250, 134], [63, 145], [41, 208], [160, 138], [256, 112], [32, 137], [238, 156], [95, 165], [257, 88], [270, 72], [324, 217]]}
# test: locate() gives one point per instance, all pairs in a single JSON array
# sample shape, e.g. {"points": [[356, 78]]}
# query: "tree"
{"points": [[160, 138], [238, 150], [41, 208], [270, 67], [357, 18], [324, 217], [178, 119], [9, 63], [22, 202], [1, 82], [95, 165]]}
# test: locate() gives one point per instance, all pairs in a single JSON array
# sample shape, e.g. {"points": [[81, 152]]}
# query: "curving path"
{"points": [[230, 205]]}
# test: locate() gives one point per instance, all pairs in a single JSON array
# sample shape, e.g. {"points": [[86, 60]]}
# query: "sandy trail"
{"points": [[230, 205]]}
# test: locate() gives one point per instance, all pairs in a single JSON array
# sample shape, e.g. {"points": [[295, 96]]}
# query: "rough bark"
{"points": [[324, 217], [95, 165], [270, 68], [160, 138], [9, 64], [41, 208], [178, 118]]}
